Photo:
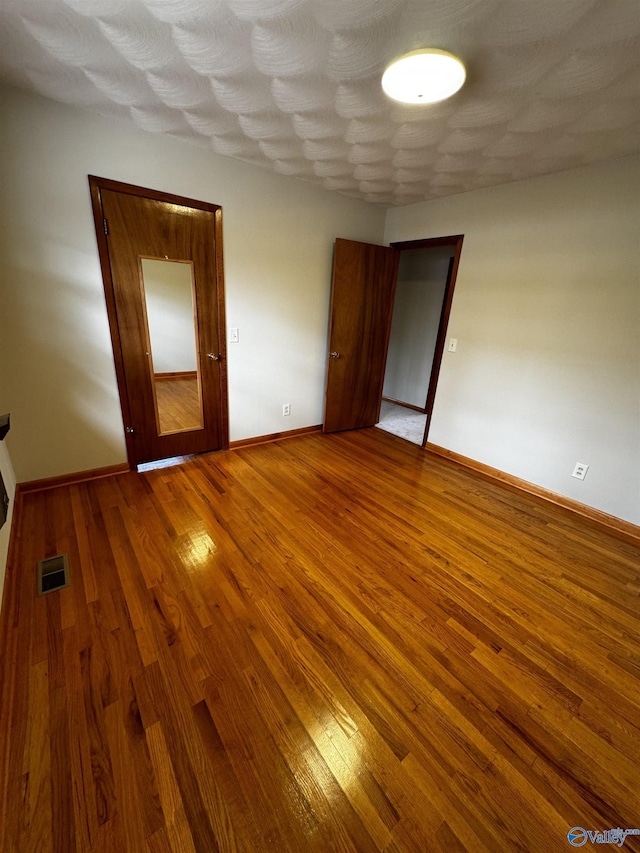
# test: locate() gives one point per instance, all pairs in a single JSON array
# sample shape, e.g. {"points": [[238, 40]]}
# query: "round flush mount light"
{"points": [[423, 77]]}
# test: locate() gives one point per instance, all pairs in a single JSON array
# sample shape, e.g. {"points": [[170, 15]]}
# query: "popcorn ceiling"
{"points": [[294, 85]]}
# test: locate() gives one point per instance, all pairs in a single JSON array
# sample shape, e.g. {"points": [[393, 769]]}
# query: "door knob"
{"points": [[214, 357], [335, 355]]}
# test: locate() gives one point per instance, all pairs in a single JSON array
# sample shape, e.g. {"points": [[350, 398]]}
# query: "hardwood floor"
{"points": [[332, 643]]}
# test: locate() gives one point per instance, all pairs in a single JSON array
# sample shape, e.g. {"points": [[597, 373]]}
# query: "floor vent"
{"points": [[53, 573]]}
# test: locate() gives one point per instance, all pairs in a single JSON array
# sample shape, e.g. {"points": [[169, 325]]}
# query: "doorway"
{"points": [[161, 259], [424, 275], [362, 303]]}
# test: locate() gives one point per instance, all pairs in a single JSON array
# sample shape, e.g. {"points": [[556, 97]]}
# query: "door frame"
{"points": [[455, 240], [96, 185]]}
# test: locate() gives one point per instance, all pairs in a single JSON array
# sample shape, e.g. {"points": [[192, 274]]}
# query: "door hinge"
{"points": [[129, 430], [105, 225]]}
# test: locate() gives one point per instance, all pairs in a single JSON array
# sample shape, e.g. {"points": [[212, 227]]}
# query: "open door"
{"points": [[364, 280], [161, 262]]}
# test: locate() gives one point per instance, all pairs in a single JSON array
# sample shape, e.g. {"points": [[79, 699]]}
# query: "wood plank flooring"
{"points": [[331, 643]]}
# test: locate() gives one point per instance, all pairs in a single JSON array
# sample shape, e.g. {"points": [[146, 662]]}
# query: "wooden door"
{"points": [[162, 267], [364, 280]]}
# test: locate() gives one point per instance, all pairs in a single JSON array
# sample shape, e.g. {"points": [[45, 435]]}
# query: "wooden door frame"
{"points": [[96, 185], [441, 338]]}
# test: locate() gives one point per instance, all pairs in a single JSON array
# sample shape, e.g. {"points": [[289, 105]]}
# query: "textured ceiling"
{"points": [[293, 85]]}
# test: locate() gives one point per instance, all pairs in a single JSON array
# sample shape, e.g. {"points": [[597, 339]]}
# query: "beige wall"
{"points": [[58, 374], [547, 316]]}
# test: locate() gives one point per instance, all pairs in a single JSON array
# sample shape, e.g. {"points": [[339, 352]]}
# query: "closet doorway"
{"points": [[362, 307], [424, 279], [161, 259]]}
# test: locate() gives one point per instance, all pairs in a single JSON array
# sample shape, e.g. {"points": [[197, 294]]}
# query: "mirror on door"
{"points": [[168, 289]]}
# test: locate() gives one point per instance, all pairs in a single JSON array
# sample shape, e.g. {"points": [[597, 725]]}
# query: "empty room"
{"points": [[319, 425]]}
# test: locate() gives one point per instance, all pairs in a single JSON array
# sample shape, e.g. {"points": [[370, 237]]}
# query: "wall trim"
{"points": [[275, 436], [623, 529], [71, 479], [420, 409], [626, 529]]}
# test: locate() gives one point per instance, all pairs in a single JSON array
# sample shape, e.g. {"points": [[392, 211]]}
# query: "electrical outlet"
{"points": [[580, 471], [453, 344], [286, 409]]}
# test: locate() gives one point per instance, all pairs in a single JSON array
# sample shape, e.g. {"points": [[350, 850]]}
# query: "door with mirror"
{"points": [[161, 259]]}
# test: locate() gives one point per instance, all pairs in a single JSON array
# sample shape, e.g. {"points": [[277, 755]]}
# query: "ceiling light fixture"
{"points": [[423, 77]]}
